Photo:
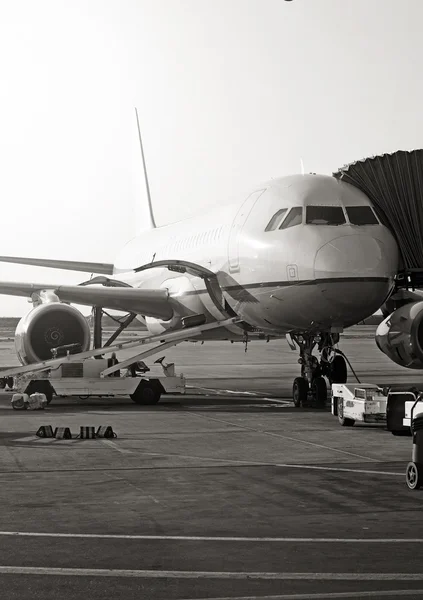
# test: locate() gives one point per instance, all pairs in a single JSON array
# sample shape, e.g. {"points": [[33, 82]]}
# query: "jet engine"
{"points": [[400, 336], [47, 326]]}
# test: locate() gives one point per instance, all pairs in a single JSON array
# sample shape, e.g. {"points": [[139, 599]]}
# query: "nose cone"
{"points": [[354, 256], [354, 274]]}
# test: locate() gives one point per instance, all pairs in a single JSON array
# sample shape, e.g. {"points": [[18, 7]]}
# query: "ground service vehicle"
{"points": [[364, 402]]}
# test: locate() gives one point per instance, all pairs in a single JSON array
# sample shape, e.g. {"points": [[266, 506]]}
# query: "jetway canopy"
{"points": [[394, 184]]}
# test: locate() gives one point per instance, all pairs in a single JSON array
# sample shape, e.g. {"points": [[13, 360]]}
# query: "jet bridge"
{"points": [[394, 184]]}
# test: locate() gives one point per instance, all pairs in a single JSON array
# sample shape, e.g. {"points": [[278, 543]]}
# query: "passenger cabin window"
{"points": [[361, 215], [294, 217], [325, 215], [276, 220]]}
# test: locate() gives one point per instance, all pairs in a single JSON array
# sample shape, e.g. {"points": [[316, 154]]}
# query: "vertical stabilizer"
{"points": [[147, 187]]}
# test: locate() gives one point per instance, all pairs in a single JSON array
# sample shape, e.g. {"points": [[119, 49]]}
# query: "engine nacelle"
{"points": [[47, 326], [400, 336]]}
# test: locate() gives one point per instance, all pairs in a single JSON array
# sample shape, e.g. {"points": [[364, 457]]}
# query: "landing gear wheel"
{"points": [[413, 477], [319, 391], [338, 370], [344, 421], [299, 391], [147, 393], [41, 387]]}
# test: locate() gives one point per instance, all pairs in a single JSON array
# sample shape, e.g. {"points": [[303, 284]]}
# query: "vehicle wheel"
{"points": [[338, 370], [147, 393], [299, 391], [320, 391], [41, 386], [402, 432], [412, 476], [344, 421]]}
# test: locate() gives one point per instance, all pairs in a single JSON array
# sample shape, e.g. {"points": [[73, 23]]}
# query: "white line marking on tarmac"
{"points": [[221, 390], [278, 435], [239, 392], [114, 446], [202, 538], [248, 463], [277, 401], [154, 574], [257, 394], [342, 469], [318, 596], [224, 462]]}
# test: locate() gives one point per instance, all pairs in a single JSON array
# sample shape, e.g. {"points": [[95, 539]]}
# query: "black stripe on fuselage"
{"points": [[306, 282], [279, 284]]}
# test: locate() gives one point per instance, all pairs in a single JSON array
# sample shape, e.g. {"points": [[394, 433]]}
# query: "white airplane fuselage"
{"points": [[305, 277]]}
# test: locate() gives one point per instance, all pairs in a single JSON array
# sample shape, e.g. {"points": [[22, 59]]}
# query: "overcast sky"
{"points": [[229, 93]]}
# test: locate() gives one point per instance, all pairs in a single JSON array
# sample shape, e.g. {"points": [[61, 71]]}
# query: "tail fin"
{"points": [[147, 187]]}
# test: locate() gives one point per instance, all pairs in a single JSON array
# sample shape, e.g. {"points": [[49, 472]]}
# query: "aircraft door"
{"points": [[236, 229]]}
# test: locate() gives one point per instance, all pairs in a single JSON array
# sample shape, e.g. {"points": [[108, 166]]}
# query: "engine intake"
{"points": [[400, 336], [47, 326]]}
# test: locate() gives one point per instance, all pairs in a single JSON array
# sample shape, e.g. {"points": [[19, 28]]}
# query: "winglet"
{"points": [[147, 187]]}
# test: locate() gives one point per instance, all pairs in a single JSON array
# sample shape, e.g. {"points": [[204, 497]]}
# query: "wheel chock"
{"points": [[45, 431], [105, 431], [87, 433], [62, 433]]}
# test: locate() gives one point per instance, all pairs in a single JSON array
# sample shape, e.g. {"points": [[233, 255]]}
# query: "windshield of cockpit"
{"points": [[322, 215]]}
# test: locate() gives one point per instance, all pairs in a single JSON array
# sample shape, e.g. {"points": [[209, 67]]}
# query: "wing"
{"points": [[69, 265], [152, 303]]}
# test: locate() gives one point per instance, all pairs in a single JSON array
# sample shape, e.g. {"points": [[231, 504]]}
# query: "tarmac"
{"points": [[226, 492]]}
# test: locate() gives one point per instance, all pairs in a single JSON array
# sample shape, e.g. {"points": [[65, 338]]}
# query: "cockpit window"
{"points": [[361, 215], [325, 215], [294, 217], [276, 220]]}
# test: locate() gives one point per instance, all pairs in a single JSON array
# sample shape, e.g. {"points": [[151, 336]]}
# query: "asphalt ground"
{"points": [[226, 492]]}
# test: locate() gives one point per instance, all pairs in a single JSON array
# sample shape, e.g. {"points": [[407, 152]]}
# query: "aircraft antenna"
{"points": [[147, 187], [302, 166]]}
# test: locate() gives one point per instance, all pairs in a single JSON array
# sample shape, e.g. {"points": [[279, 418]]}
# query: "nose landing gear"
{"points": [[310, 390]]}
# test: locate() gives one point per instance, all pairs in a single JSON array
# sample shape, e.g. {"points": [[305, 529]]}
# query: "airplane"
{"points": [[301, 256]]}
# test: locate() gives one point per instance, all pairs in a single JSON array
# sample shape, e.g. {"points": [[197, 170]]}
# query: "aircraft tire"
{"points": [[338, 370], [147, 393], [320, 391], [42, 387], [299, 391]]}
